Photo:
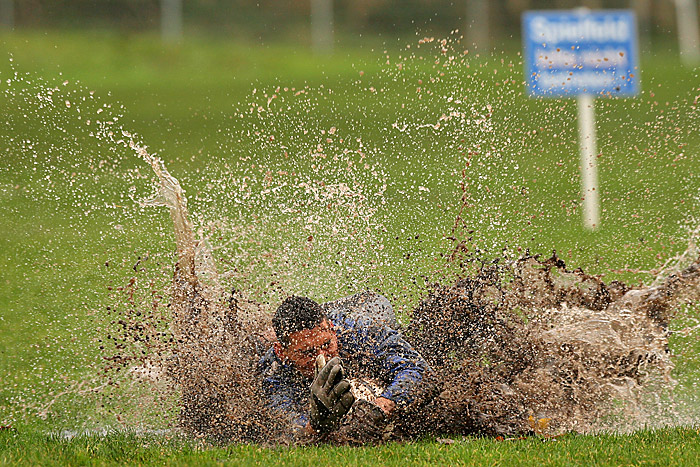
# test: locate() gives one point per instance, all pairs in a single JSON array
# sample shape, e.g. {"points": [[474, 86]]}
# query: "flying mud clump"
{"points": [[518, 347]]}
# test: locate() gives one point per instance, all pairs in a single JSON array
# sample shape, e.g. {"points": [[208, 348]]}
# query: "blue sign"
{"points": [[581, 52]]}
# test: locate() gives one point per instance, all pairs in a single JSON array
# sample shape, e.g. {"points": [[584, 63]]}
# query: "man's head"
{"points": [[303, 332]]}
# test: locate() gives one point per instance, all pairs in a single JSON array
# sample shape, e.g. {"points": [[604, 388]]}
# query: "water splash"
{"points": [[322, 193]]}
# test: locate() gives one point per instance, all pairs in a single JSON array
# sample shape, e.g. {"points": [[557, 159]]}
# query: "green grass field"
{"points": [[70, 227], [667, 447]]}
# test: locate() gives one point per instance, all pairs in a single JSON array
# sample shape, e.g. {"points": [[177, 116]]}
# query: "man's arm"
{"points": [[402, 365], [396, 361], [282, 398]]}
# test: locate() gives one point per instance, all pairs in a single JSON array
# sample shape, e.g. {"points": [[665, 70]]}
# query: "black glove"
{"points": [[330, 397]]}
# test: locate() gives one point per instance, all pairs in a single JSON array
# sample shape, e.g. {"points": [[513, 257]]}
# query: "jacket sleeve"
{"points": [[284, 398], [396, 361]]}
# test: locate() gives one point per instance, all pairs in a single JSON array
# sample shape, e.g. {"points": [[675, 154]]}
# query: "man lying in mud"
{"points": [[316, 396]]}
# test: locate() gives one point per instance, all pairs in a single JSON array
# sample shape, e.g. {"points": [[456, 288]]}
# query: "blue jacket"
{"points": [[362, 343]]}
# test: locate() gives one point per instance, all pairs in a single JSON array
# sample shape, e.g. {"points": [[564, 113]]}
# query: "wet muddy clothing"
{"points": [[364, 342]]}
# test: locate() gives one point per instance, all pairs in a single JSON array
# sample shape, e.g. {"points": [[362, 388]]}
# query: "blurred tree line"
{"points": [[267, 18]]}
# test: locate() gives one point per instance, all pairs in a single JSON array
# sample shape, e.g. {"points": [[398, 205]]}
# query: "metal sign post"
{"points": [[688, 31], [589, 166], [322, 26], [585, 54], [477, 24], [7, 14], [171, 20]]}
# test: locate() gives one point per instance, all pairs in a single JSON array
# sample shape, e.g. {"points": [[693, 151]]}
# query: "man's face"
{"points": [[305, 345]]}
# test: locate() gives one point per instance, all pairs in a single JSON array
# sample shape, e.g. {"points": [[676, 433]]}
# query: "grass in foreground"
{"points": [[676, 446]]}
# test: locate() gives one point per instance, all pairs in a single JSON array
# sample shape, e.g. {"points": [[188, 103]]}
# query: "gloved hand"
{"points": [[330, 397]]}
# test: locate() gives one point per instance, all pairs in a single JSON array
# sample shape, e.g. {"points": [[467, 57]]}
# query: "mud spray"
{"points": [[520, 346], [304, 204]]}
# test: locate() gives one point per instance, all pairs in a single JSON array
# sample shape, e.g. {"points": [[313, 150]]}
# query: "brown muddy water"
{"points": [[517, 347]]}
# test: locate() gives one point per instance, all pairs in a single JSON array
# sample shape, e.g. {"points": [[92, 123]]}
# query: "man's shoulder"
{"points": [[350, 325], [339, 318], [362, 310]]}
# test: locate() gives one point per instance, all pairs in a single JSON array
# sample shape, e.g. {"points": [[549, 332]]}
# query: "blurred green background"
{"points": [[270, 20]]}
